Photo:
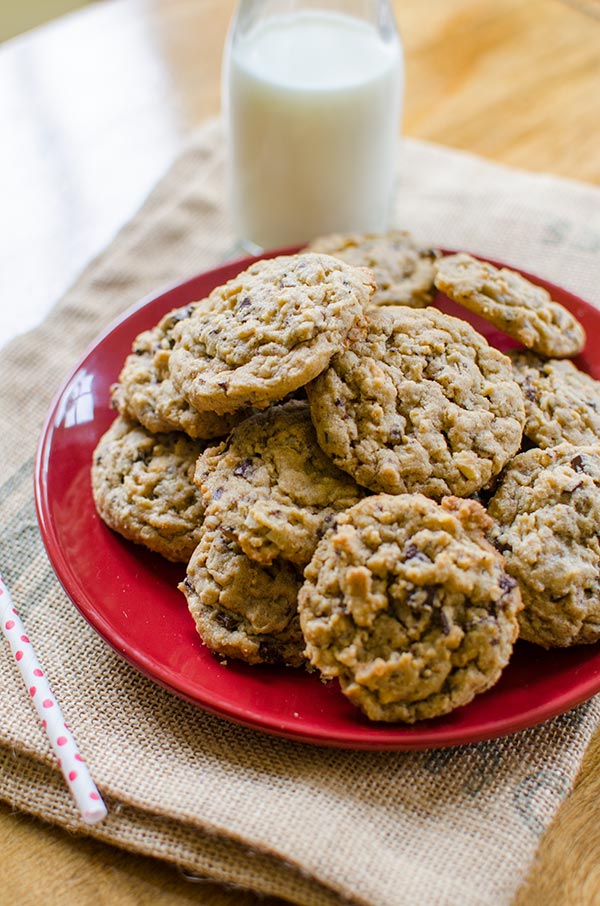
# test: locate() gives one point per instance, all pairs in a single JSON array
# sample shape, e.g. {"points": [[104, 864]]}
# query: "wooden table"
{"points": [[95, 106]]}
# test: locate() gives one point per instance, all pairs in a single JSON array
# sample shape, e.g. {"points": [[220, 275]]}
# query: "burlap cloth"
{"points": [[309, 824]]}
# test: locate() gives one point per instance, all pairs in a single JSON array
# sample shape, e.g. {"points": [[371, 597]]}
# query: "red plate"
{"points": [[129, 595]]}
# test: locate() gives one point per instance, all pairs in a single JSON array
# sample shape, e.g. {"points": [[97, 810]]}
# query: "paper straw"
{"points": [[75, 771]]}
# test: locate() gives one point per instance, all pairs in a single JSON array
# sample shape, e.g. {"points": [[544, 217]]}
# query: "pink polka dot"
{"points": [[32, 691], [44, 724], [95, 797], [61, 741], [72, 775], [9, 624], [59, 761], [37, 672], [78, 757], [48, 703], [18, 655], [25, 639]]}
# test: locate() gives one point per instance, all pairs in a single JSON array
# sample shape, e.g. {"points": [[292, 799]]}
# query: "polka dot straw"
{"points": [[72, 765]]}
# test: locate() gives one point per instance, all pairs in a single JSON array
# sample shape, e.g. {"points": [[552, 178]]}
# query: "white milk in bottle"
{"points": [[313, 101]]}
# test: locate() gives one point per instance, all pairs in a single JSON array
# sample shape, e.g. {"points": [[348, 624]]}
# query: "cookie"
{"points": [[272, 487], [562, 403], [409, 606], [143, 489], [241, 609], [270, 330], [422, 404], [403, 270], [546, 515], [512, 303], [145, 392]]}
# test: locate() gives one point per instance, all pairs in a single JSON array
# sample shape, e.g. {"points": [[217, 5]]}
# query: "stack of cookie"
{"points": [[315, 441], [230, 365], [546, 506]]}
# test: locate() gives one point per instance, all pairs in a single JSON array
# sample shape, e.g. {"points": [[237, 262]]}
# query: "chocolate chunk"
{"points": [[244, 468], [502, 547], [328, 522], [227, 621], [269, 651], [179, 315], [507, 583], [446, 624], [430, 593], [412, 552], [529, 390]]}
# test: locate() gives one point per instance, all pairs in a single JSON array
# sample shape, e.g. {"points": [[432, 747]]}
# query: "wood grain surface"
{"points": [[517, 82]]}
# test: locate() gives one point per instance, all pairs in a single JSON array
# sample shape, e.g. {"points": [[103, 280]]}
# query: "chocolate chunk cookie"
{"points": [[562, 403], [241, 609], [422, 403], [272, 487], [409, 606], [145, 392], [269, 331], [512, 303], [403, 270], [143, 489], [547, 524]]}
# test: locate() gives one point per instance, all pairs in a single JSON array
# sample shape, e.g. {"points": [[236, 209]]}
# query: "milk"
{"points": [[313, 103]]}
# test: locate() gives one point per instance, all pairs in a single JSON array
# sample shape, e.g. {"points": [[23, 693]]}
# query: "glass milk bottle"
{"points": [[312, 95]]}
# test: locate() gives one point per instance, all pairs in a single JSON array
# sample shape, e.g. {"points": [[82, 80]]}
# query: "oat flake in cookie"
{"points": [[403, 270], [512, 303], [269, 331], [143, 489], [241, 609], [546, 516], [145, 392], [409, 606], [422, 403], [562, 403], [272, 487]]}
